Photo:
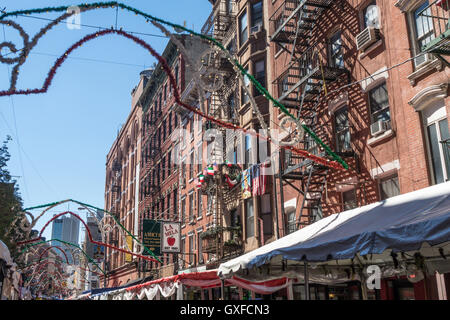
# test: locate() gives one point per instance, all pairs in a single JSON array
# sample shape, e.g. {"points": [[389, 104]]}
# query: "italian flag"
{"points": [[201, 178], [211, 171], [231, 183]]}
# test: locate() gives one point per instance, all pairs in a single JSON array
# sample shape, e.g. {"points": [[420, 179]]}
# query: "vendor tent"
{"points": [[402, 223]]}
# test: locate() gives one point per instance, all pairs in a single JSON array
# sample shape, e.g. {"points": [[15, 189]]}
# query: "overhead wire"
{"points": [[17, 132]]}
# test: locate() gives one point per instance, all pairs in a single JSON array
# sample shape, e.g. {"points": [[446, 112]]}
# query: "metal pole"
{"points": [[222, 289], [275, 196], [306, 281], [280, 169]]}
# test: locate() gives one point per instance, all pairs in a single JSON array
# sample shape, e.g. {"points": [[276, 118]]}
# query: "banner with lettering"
{"points": [[171, 234], [151, 231]]}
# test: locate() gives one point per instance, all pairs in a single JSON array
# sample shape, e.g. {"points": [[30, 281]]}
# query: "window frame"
{"points": [[249, 220], [369, 93], [344, 131], [385, 179], [243, 40]]}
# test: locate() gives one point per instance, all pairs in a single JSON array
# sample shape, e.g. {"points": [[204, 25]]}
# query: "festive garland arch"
{"points": [[103, 226], [27, 247], [89, 236], [56, 247], [339, 164]]}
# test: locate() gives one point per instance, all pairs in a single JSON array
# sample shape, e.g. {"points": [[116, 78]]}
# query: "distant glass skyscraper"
{"points": [[66, 228]]}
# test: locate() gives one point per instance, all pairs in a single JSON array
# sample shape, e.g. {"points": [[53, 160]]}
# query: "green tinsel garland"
{"points": [[258, 86]]}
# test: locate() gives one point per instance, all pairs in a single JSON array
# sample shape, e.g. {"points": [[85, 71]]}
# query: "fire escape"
{"points": [[437, 25], [308, 72], [116, 188], [223, 241]]}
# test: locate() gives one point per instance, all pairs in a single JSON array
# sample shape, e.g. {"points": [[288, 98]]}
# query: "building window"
{"points": [[199, 205], [250, 218], [257, 16], [243, 28], [341, 125], [230, 6], [191, 249], [199, 124], [423, 26], [191, 207], [164, 130], [439, 145], [199, 158], [335, 51], [371, 15], [231, 107], [200, 247], [260, 75], [163, 165], [176, 74], [379, 104], [175, 205], [232, 46], [191, 129], [168, 215], [349, 199], [183, 210], [169, 163], [248, 151], [234, 218], [389, 187], [244, 96], [291, 221], [191, 165], [284, 85]]}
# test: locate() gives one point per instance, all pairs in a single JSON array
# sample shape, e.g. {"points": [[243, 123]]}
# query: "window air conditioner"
{"points": [[422, 59], [255, 29], [378, 127], [367, 37]]}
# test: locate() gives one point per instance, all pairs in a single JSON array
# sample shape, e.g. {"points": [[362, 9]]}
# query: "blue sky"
{"points": [[61, 138]]}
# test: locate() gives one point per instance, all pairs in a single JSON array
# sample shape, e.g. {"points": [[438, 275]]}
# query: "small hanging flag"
{"points": [[201, 178], [211, 171], [232, 182]]}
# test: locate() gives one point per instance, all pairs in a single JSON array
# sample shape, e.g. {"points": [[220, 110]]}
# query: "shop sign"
{"points": [[171, 234], [151, 230]]}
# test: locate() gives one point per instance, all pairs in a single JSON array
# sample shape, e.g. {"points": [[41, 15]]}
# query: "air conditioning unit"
{"points": [[379, 127], [367, 37], [422, 59], [255, 29]]}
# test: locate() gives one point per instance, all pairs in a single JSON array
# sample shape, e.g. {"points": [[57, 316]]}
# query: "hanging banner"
{"points": [[129, 257], [99, 252], [171, 234], [151, 230]]}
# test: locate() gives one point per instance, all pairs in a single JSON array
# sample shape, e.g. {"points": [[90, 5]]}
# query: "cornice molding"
{"points": [[406, 5], [428, 95]]}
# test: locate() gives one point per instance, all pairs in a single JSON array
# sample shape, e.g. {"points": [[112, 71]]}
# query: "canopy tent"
{"points": [[404, 223]]}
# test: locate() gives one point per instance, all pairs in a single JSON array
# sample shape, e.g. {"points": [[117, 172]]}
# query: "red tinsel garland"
{"points": [[166, 67]]}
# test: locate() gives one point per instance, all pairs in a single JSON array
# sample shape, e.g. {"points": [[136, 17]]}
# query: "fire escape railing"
{"points": [[437, 15]]}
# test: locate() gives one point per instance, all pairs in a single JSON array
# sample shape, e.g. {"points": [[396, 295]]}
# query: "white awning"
{"points": [[4, 253], [400, 223]]}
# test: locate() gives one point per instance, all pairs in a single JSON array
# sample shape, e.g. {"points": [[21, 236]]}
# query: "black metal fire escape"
{"points": [[437, 22], [300, 87]]}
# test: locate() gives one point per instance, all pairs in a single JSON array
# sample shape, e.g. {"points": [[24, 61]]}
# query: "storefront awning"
{"points": [[402, 223]]}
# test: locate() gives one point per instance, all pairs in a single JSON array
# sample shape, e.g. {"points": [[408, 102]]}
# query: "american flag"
{"points": [[258, 179]]}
